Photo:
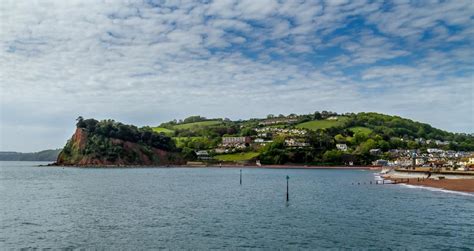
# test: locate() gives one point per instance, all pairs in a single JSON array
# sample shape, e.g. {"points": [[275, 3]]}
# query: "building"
{"points": [[441, 143], [203, 155], [380, 162], [375, 151], [341, 147], [295, 143], [236, 140], [434, 150]]}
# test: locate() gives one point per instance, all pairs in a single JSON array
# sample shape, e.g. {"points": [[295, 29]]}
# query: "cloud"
{"points": [[145, 62]]}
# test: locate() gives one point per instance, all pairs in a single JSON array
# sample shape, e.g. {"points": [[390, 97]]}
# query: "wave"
{"points": [[434, 189]]}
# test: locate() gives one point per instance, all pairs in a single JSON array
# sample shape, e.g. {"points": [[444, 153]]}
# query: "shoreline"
{"points": [[459, 185], [375, 168]]}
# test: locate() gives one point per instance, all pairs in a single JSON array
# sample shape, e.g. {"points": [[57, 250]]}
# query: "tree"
{"points": [[80, 122], [317, 115], [248, 132], [340, 138], [333, 156], [365, 147]]}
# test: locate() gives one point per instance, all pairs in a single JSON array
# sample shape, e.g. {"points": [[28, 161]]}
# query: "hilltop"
{"points": [[321, 138], [106, 142]]}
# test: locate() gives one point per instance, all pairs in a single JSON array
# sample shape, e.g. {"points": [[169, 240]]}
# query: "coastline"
{"points": [[375, 168], [460, 185]]}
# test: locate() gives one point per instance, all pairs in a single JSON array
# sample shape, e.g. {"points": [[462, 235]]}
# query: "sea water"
{"points": [[202, 208]]}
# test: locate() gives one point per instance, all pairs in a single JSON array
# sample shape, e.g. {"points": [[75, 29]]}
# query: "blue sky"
{"points": [[146, 62]]}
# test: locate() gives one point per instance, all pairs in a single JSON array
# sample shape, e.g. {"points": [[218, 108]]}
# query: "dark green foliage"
{"points": [[380, 131], [111, 129], [274, 153], [189, 153], [193, 119]]}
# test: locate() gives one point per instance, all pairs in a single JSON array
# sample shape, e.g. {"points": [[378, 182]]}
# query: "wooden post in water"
{"points": [[240, 176], [287, 189]]}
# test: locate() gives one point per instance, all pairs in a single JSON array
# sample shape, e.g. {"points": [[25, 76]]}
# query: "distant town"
{"points": [[322, 138]]}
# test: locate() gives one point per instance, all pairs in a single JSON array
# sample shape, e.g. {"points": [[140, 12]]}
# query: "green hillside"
{"points": [[360, 129], [322, 124], [163, 130], [197, 124], [237, 156], [313, 140]]}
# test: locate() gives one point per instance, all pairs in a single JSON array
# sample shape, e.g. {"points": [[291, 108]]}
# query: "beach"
{"points": [[461, 185]]}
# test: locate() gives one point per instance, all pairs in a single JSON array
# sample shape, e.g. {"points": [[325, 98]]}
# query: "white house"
{"points": [[434, 150], [203, 155], [342, 147]]}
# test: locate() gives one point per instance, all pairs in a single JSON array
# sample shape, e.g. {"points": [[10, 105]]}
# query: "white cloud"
{"points": [[144, 62]]}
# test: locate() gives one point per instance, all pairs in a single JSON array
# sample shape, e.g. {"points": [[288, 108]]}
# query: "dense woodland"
{"points": [[101, 145], [112, 129]]}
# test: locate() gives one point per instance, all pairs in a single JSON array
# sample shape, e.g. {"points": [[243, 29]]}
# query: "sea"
{"points": [[210, 208]]}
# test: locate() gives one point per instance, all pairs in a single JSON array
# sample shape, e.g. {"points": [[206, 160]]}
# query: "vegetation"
{"points": [[111, 129], [304, 139], [197, 124], [108, 141], [322, 124], [166, 131], [361, 129], [243, 156]]}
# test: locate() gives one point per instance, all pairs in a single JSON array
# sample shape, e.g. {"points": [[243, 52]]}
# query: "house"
{"points": [[262, 141], [420, 140], [434, 150], [236, 140], [332, 118], [295, 143], [471, 160], [419, 161], [375, 151], [203, 155], [341, 147], [441, 143], [380, 162]]}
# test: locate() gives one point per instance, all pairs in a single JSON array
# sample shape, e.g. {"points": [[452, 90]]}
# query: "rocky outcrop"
{"points": [[84, 149]]}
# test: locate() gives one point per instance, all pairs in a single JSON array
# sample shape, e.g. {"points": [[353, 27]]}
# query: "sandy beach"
{"points": [[461, 185]]}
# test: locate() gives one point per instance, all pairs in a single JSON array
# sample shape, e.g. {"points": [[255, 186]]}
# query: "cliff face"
{"points": [[84, 149]]}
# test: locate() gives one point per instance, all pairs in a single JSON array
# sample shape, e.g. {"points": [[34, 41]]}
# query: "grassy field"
{"points": [[237, 156], [360, 129], [163, 130], [196, 124], [322, 124], [180, 140]]}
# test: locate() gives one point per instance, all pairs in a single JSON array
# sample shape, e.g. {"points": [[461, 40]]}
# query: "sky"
{"points": [[147, 62]]}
